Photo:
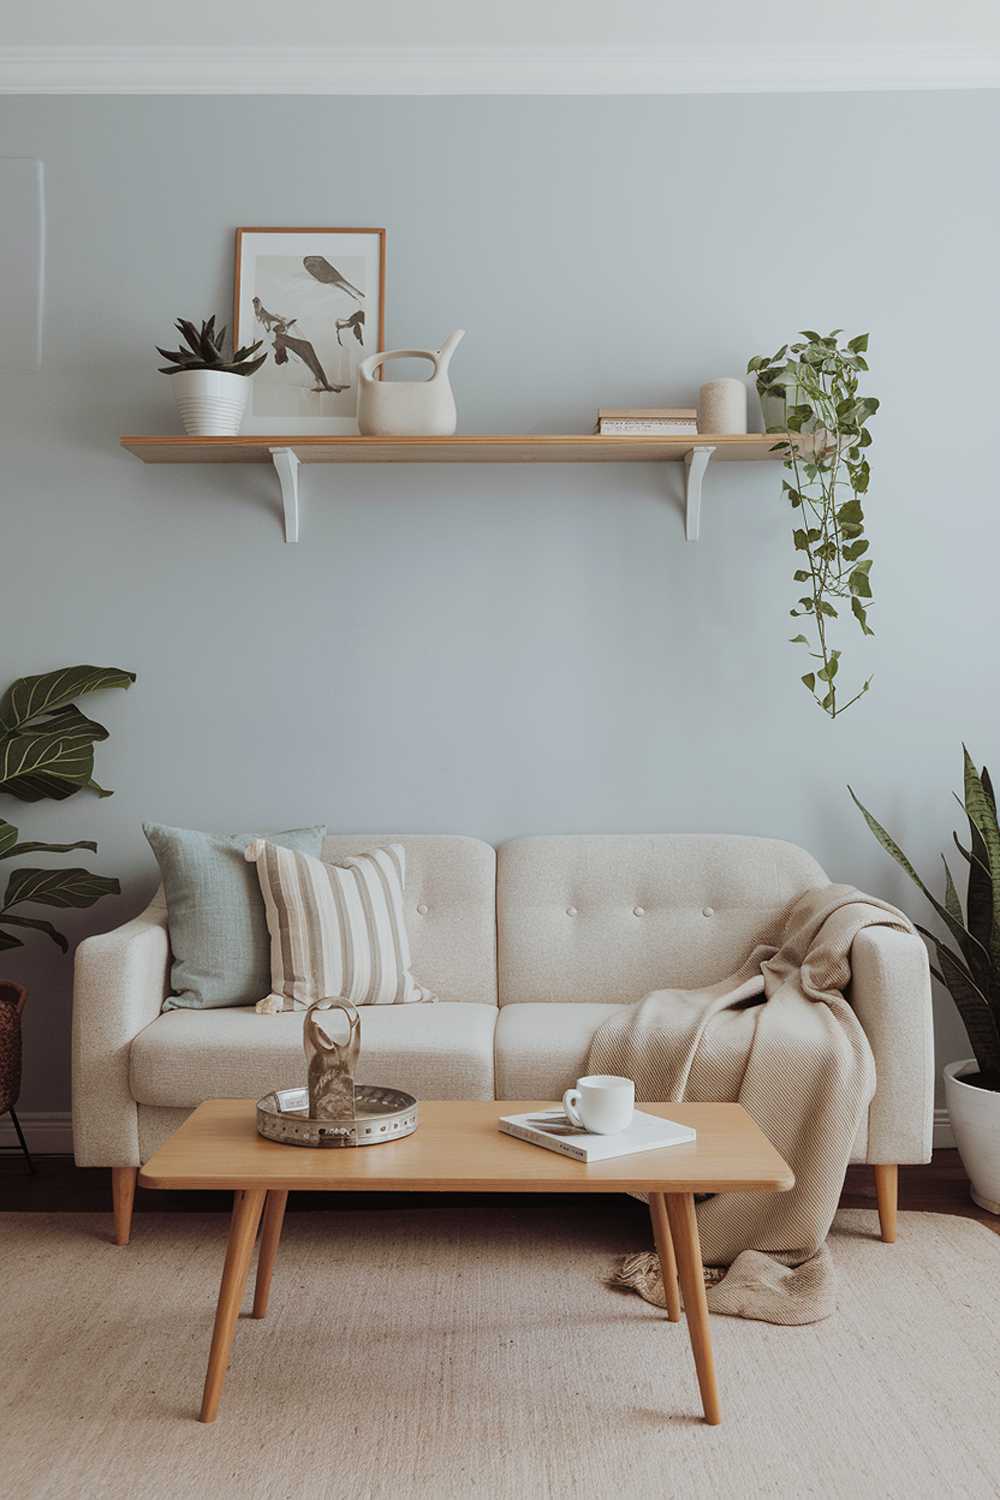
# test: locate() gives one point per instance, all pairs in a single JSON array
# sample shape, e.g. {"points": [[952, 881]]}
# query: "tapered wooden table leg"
{"points": [[665, 1250], [270, 1236], [684, 1228], [243, 1231]]}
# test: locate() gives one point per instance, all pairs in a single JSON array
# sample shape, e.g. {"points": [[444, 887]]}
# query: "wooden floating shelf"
{"points": [[287, 453]]}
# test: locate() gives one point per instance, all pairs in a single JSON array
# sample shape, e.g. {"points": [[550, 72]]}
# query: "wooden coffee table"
{"points": [[457, 1148]]}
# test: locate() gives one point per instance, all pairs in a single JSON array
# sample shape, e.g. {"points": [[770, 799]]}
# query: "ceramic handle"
{"points": [[570, 1100], [371, 364]]}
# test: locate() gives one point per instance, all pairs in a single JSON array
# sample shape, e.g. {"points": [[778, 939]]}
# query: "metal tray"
{"points": [[380, 1115]]}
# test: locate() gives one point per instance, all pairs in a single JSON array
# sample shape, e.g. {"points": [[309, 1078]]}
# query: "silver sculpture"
{"points": [[333, 1110], [331, 1065]]}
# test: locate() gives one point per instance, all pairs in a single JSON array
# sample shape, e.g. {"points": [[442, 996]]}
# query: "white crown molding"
{"points": [[495, 70]]}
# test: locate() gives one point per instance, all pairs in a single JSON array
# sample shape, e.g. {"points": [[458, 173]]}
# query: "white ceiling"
{"points": [[454, 46]]}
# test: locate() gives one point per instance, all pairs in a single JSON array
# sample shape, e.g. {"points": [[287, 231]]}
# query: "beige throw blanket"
{"points": [[779, 1038]]}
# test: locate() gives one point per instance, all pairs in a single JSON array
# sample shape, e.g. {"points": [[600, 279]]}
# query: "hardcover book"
{"points": [[552, 1129], [667, 421]]}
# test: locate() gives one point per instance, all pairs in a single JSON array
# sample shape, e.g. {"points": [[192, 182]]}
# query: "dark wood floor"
{"points": [[59, 1186]]}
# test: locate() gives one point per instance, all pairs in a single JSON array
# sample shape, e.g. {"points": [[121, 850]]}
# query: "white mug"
{"points": [[600, 1104]]}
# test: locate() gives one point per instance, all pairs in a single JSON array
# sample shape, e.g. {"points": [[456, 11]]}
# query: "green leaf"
{"points": [[29, 697], [807, 333], [957, 930], [798, 640], [952, 904], [979, 893], [32, 847], [8, 838], [861, 615], [33, 767], [810, 681], [62, 888], [982, 815], [858, 345], [856, 549], [801, 576], [37, 925], [976, 1012], [827, 609], [858, 583], [851, 512]]}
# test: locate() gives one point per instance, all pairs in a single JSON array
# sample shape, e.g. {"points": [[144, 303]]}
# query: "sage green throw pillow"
{"points": [[215, 913]]}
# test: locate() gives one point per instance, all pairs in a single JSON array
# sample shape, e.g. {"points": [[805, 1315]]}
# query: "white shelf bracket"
{"points": [[696, 462], [286, 463]]}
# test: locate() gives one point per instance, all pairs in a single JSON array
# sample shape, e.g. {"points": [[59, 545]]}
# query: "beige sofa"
{"points": [[529, 947]]}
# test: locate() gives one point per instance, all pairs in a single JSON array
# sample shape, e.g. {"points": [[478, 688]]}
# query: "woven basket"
{"points": [[13, 998]]}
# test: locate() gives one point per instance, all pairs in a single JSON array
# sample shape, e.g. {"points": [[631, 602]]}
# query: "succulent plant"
{"points": [[204, 351], [971, 970]]}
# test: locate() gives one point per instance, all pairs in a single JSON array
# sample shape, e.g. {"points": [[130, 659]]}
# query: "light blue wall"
{"points": [[504, 650]]}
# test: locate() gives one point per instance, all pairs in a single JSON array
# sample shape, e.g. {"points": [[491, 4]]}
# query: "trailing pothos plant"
{"points": [[972, 973], [824, 437], [47, 750]]}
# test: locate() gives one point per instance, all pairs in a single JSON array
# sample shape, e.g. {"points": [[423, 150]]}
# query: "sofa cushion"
{"points": [[612, 916], [442, 1051], [541, 1050], [450, 905], [215, 911], [336, 929]]}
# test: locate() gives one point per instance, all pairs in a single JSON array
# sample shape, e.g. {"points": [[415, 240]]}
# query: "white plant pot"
{"points": [[975, 1119], [211, 402]]}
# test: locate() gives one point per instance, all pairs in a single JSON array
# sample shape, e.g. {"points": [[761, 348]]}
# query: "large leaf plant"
{"points": [[823, 437], [972, 973], [47, 751]]}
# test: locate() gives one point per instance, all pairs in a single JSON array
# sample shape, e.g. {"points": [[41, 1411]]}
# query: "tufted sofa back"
{"points": [[608, 917]]}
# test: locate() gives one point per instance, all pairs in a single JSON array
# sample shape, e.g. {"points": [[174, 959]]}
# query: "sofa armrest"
{"points": [[891, 995], [119, 983]]}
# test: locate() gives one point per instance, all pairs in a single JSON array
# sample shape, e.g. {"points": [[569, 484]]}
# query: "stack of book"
{"points": [[656, 421]]}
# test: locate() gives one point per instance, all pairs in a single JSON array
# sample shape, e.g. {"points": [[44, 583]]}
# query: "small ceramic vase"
{"points": [[722, 406]]}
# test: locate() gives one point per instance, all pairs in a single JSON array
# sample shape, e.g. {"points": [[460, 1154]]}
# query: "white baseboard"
{"points": [[46, 1134], [52, 1134], [943, 1133]]}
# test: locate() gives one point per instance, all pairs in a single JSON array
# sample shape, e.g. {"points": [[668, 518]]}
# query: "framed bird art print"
{"points": [[316, 297]]}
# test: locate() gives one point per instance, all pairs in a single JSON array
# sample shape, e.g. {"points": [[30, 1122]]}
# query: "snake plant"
{"points": [[204, 351], [972, 973], [47, 751]]}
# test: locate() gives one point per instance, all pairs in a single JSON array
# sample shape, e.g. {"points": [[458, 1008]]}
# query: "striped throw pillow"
{"points": [[335, 929]]}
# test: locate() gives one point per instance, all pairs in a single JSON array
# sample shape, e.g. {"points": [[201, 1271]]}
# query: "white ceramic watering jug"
{"points": [[408, 408]]}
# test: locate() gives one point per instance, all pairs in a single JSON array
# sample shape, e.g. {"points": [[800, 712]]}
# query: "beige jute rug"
{"points": [[479, 1353]]}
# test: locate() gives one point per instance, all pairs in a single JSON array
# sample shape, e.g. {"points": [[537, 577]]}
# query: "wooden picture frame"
{"points": [[316, 297]]}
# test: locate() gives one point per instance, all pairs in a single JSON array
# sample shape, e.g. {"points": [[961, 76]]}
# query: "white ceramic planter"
{"points": [[975, 1119], [211, 402]]}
